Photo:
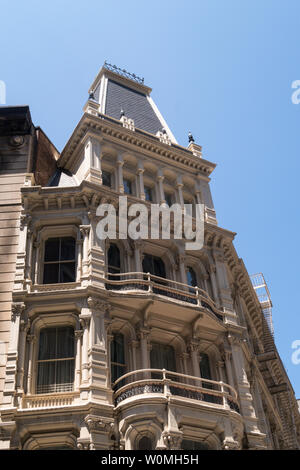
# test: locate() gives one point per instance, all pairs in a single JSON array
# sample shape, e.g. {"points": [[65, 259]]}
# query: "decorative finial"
{"points": [[122, 113], [91, 96], [163, 130], [191, 138]]}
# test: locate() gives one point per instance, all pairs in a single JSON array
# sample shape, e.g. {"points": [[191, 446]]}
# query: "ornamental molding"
{"points": [[138, 138], [98, 304], [172, 440], [96, 423], [16, 310]]}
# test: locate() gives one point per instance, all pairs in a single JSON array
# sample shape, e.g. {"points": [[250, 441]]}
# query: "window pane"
{"points": [[127, 186], [145, 443], [205, 370], [51, 273], [64, 372], [47, 346], [64, 342], [113, 257], [191, 277], [67, 249], [106, 178], [117, 349], [67, 272], [162, 356], [52, 249], [168, 199], [148, 193], [46, 376]]}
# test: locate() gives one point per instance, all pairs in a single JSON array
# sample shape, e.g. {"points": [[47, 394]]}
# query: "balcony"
{"points": [[145, 382], [126, 283]]}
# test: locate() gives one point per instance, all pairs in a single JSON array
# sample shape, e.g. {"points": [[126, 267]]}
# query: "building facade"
{"points": [[121, 343]]}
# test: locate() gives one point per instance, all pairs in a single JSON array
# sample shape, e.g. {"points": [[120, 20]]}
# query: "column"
{"points": [[78, 336], [143, 335], [138, 249], [161, 193], [179, 186], [24, 326], [85, 229], [85, 322], [255, 438], [37, 245], [120, 163], [212, 269], [79, 245], [182, 268], [29, 246], [227, 358], [140, 173], [194, 349], [31, 340]]}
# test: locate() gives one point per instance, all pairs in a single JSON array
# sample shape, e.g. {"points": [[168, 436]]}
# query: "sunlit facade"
{"points": [[125, 344]]}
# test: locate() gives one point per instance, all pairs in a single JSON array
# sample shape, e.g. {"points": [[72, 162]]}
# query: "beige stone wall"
{"points": [[10, 208]]}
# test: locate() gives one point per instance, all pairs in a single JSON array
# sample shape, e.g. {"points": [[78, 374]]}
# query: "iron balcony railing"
{"points": [[168, 383], [150, 283]]}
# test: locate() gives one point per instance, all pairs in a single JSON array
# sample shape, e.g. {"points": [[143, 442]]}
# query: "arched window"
{"points": [[145, 443], [191, 279], [162, 356], [205, 367], [194, 445], [59, 260], [114, 260], [113, 265], [117, 357], [154, 265], [56, 360]]}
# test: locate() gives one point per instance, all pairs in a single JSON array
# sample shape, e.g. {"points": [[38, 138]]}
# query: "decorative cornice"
{"points": [[140, 139]]}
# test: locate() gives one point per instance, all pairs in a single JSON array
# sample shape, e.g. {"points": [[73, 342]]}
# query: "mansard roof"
{"points": [[119, 91]]}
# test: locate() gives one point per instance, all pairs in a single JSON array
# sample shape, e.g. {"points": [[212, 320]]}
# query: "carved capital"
{"points": [[25, 219], [172, 440], [84, 230], [96, 423], [31, 338], [16, 310], [98, 304]]}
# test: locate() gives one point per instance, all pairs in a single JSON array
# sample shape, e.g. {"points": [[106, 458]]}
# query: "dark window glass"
{"points": [[56, 360], [145, 443], [154, 265], [113, 261], [106, 178], [168, 199], [162, 356], [205, 370], [127, 186], [194, 445], [148, 194], [117, 357], [191, 279], [59, 260]]}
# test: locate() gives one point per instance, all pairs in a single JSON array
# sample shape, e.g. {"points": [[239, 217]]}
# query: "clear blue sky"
{"points": [[222, 69]]}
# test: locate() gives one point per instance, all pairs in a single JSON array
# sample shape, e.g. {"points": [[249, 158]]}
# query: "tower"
{"points": [[133, 344]]}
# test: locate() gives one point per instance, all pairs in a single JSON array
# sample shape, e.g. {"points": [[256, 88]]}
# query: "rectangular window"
{"points": [[117, 357], [106, 178], [127, 186], [59, 260], [168, 199], [56, 360], [148, 193]]}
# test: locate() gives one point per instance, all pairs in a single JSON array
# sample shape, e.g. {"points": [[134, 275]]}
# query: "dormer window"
{"points": [[59, 260]]}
